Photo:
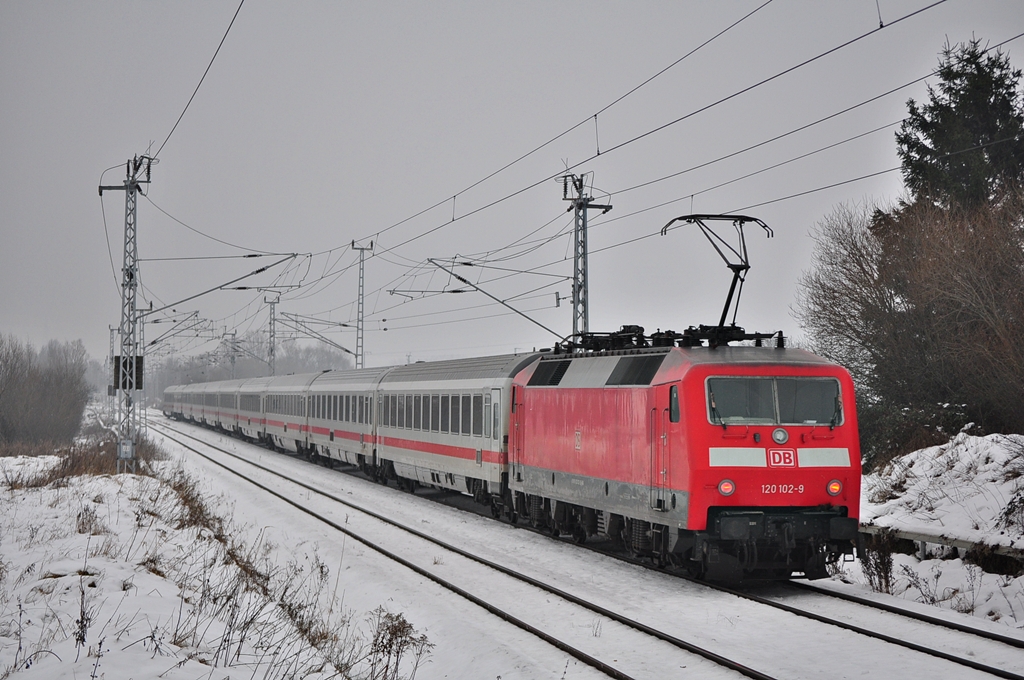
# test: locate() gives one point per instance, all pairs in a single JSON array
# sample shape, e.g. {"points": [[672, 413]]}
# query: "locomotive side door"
{"points": [[663, 416]]}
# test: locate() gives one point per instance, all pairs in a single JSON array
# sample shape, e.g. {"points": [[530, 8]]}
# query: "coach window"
{"points": [[417, 411], [386, 414], [673, 404], [455, 413], [394, 410], [445, 412], [478, 415], [467, 413], [401, 410], [426, 413]]}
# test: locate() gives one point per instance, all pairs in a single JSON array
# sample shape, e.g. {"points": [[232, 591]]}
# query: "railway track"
{"points": [[989, 638], [507, 616], [918, 616], [928, 620]]}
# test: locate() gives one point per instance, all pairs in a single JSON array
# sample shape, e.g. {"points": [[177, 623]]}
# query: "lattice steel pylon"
{"points": [[273, 333], [359, 315], [128, 365], [581, 203]]}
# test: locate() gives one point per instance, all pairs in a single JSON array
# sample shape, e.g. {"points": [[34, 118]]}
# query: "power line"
{"points": [[661, 127], [205, 235], [157, 154], [526, 155], [330, 270], [335, 274], [106, 232]]}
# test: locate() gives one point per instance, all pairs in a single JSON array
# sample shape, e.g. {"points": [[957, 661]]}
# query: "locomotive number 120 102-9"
{"points": [[782, 488]]}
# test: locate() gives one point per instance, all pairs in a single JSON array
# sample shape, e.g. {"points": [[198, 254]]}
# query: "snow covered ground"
{"points": [[104, 577], [121, 577], [971, 489]]}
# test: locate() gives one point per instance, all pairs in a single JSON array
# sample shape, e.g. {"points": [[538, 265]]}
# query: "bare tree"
{"points": [[925, 307], [42, 395]]}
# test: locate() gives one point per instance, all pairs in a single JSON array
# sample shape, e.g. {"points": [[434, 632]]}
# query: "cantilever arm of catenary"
{"points": [[500, 302], [220, 287]]}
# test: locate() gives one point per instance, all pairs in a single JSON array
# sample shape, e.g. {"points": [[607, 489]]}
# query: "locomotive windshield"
{"points": [[774, 401]]}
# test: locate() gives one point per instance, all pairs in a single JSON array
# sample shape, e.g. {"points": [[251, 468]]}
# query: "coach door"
{"points": [[515, 449], [663, 416]]}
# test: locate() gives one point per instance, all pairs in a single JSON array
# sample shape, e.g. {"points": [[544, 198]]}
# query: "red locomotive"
{"points": [[731, 461]]}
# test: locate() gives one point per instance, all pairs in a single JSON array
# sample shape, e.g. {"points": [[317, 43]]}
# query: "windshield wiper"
{"points": [[715, 415], [836, 414]]}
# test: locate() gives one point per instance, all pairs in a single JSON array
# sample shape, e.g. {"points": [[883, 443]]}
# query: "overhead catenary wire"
{"points": [[650, 132], [377, 234], [205, 235], [391, 249], [196, 91], [328, 267]]}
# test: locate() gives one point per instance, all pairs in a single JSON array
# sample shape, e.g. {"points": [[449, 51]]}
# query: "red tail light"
{"points": [[834, 488], [726, 487]]}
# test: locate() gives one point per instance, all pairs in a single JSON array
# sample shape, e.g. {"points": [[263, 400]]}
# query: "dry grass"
{"points": [[93, 456]]}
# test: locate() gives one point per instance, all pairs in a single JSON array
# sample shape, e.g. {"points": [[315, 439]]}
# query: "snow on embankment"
{"points": [[131, 576], [970, 489]]}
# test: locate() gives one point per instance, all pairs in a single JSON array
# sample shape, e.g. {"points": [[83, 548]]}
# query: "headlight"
{"points": [[780, 436]]}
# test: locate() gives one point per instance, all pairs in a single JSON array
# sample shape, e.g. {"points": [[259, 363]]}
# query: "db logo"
{"points": [[781, 458]]}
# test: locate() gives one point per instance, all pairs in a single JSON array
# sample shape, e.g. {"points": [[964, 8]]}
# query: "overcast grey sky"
{"points": [[324, 122]]}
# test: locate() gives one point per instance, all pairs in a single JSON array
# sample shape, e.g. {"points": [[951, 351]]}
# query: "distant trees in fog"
{"points": [[43, 393]]}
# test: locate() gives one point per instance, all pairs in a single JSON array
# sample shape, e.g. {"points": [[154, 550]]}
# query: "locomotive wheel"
{"points": [[579, 534]]}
